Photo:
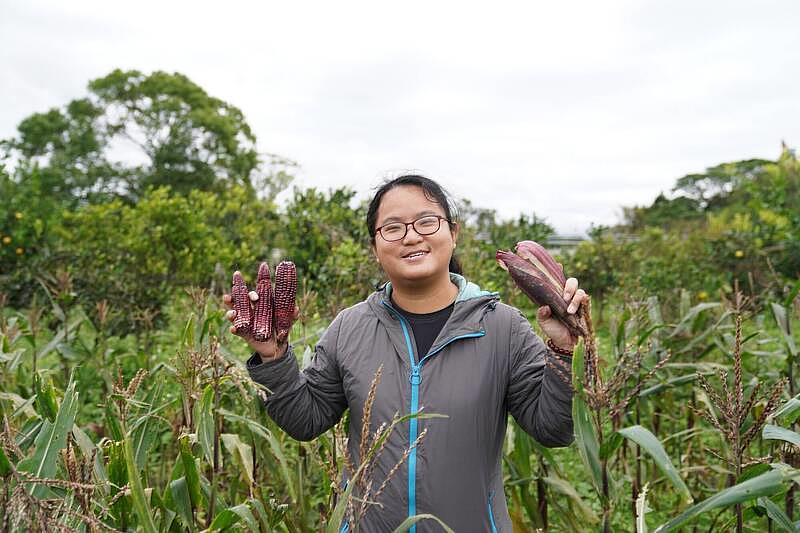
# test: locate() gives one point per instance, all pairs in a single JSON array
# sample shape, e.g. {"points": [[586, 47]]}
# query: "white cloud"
{"points": [[567, 110]]}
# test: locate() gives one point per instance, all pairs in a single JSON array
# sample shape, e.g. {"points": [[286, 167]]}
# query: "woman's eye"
{"points": [[425, 223], [392, 229]]}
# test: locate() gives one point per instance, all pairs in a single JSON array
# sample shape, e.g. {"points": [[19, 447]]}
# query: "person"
{"points": [[443, 345]]}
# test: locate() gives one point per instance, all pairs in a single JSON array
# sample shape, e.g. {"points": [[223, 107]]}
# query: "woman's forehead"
{"points": [[407, 202]]}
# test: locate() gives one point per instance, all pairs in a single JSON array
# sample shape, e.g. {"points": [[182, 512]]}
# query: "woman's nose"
{"points": [[411, 235]]}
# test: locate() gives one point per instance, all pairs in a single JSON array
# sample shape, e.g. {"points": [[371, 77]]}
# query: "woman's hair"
{"points": [[433, 192]]}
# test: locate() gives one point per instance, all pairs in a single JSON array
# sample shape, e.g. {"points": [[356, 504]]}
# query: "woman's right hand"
{"points": [[269, 349]]}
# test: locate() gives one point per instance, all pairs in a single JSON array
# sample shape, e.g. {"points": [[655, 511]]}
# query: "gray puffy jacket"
{"points": [[486, 362]]}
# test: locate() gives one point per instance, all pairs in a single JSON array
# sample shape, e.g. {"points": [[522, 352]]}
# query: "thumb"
{"points": [[544, 313]]}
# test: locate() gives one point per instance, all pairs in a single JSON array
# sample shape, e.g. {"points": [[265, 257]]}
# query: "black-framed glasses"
{"points": [[395, 231]]}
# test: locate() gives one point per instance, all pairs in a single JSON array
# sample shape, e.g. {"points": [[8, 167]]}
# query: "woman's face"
{"points": [[415, 257]]}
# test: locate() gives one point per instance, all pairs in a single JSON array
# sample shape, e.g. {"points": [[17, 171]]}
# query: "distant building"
{"points": [[564, 244]]}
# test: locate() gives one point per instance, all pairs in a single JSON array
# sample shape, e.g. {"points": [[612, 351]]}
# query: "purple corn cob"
{"points": [[262, 318], [541, 286], [285, 294], [241, 304]]}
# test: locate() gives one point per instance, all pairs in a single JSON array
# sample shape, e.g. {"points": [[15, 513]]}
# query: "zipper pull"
{"points": [[415, 378]]}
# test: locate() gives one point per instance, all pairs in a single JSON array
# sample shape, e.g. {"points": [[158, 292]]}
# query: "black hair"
{"points": [[433, 192]]}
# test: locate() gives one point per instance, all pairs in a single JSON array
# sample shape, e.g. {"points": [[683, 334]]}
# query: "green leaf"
{"points": [[140, 505], [649, 443], [204, 415], [789, 411], [5, 464], [46, 402], [585, 436], [227, 517], [564, 487], [765, 484], [672, 382], [87, 448], [143, 430], [242, 454], [188, 332], [685, 324], [777, 515], [411, 520], [772, 432], [190, 471], [785, 325], [182, 502], [612, 444], [50, 440]]}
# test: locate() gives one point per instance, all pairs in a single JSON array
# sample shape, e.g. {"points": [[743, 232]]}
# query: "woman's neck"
{"points": [[425, 299]]}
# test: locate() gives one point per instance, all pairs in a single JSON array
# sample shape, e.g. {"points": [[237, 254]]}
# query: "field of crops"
{"points": [[689, 423]]}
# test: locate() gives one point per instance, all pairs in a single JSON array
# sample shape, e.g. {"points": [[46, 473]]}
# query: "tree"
{"points": [[135, 131]]}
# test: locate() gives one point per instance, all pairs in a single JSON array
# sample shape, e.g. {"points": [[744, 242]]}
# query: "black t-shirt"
{"points": [[426, 326]]}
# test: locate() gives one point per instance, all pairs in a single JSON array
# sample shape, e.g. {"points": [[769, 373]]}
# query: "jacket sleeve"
{"points": [[308, 403], [538, 397]]}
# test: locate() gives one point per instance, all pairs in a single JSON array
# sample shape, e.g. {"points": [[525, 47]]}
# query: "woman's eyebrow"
{"points": [[418, 215]]}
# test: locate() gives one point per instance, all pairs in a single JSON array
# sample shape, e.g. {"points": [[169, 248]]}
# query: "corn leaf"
{"points": [[242, 454], [411, 520], [789, 411], [777, 515], [181, 501], [87, 448], [649, 443], [765, 484], [190, 471], [565, 487], [227, 517], [51, 439], [585, 436], [785, 325], [5, 464], [143, 430], [772, 432], [204, 416], [140, 506]]}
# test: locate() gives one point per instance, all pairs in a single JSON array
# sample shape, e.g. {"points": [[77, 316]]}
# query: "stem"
{"points": [[541, 492], [215, 465]]}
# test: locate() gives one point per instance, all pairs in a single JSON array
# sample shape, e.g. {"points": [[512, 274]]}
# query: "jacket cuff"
{"points": [[273, 374]]}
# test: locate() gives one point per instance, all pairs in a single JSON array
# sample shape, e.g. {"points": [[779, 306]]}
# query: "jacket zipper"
{"points": [[491, 513], [415, 379]]}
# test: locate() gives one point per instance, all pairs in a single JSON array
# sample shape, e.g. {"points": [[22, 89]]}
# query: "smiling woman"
{"points": [[442, 343]]}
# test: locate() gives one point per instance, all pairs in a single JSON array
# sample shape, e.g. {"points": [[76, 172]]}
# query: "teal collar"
{"points": [[466, 289]]}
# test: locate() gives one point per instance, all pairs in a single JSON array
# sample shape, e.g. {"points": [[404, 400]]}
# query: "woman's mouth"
{"points": [[415, 255]]}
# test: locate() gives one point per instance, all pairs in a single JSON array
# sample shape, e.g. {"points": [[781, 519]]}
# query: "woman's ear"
{"points": [[454, 232]]}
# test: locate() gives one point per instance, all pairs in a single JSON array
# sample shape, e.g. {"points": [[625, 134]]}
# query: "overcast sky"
{"points": [[569, 110]]}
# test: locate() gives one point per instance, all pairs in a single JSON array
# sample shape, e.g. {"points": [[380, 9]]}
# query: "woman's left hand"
{"points": [[553, 327]]}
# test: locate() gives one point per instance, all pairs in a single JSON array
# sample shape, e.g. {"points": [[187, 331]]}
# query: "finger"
{"points": [[579, 297], [569, 288], [232, 329], [227, 300], [253, 296], [230, 315]]}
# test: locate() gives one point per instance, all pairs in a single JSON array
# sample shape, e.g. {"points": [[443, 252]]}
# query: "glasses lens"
{"points": [[426, 225], [393, 232]]}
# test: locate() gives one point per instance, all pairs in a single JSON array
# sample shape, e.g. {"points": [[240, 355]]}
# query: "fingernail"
{"points": [[571, 309], [253, 295]]}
